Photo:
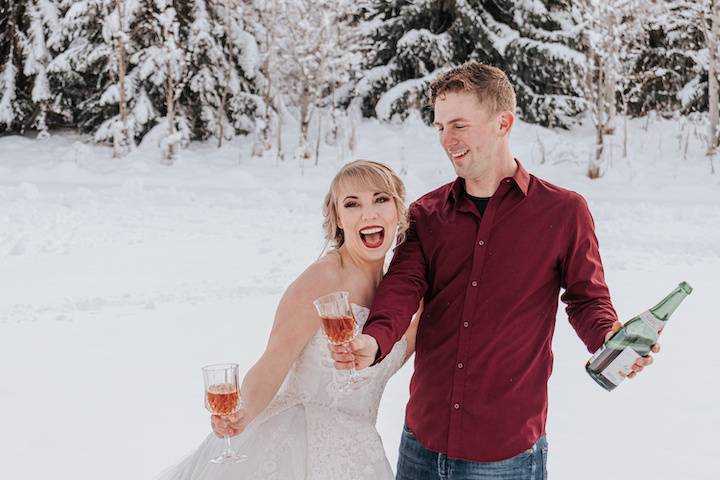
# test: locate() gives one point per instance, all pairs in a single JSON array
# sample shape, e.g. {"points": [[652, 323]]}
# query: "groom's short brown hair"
{"points": [[490, 85]]}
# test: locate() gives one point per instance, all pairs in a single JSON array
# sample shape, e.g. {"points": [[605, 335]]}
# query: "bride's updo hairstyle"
{"points": [[376, 177]]}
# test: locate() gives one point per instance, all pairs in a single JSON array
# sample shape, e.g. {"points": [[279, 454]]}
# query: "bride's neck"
{"points": [[372, 270]]}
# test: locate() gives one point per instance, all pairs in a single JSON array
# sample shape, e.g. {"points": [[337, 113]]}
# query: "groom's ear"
{"points": [[506, 120]]}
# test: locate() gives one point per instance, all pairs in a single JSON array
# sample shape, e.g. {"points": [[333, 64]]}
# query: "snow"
{"points": [[384, 106], [120, 278], [7, 86], [556, 50], [689, 91]]}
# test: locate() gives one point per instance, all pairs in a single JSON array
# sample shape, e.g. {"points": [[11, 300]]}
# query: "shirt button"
{"points": [[481, 243], [460, 365], [466, 324], [474, 283], [456, 406]]}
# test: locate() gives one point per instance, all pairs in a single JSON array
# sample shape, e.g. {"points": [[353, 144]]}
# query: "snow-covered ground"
{"points": [[120, 278]]}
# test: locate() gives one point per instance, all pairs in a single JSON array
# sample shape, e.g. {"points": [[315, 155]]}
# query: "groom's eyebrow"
{"points": [[454, 120]]}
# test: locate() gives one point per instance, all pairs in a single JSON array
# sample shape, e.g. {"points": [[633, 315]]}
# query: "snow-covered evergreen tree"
{"points": [[43, 34], [15, 104], [120, 127], [712, 39], [670, 71], [162, 69], [96, 36], [535, 42], [223, 62]]}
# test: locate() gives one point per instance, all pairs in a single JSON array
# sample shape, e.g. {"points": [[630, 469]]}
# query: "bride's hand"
{"points": [[230, 425], [361, 351]]}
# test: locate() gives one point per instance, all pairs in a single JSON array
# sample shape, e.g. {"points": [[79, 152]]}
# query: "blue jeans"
{"points": [[415, 462]]}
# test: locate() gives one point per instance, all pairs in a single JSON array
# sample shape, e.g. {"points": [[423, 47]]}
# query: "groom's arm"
{"points": [[400, 292]]}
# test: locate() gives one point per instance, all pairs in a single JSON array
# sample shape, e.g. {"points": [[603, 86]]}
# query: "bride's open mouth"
{"points": [[372, 237]]}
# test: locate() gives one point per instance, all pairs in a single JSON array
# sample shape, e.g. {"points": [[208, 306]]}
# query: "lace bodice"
{"points": [[313, 379]]}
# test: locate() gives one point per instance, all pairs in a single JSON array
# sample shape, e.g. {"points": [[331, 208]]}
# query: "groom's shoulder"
{"points": [[432, 200]]}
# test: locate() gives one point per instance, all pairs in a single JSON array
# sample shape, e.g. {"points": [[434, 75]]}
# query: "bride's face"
{"points": [[369, 220]]}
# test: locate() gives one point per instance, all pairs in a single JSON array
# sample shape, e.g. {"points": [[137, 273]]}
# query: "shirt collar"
{"points": [[521, 178]]}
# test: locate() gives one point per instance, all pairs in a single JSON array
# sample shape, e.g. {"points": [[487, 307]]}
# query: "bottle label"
{"points": [[652, 320], [618, 369]]}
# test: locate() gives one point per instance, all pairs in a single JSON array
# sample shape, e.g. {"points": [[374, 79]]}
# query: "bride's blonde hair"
{"points": [[375, 176]]}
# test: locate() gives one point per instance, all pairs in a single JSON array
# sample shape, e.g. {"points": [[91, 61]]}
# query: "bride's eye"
{"points": [[350, 204], [382, 199]]}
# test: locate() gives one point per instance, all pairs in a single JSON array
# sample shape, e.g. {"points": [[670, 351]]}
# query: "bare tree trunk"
{"points": [[352, 138], [221, 109], [280, 153], [122, 148], [598, 112], [226, 87], [625, 135], [712, 43], [170, 99], [41, 121], [304, 153], [319, 135], [610, 76]]}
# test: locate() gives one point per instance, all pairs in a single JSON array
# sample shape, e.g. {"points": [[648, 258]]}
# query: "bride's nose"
{"points": [[369, 213]]}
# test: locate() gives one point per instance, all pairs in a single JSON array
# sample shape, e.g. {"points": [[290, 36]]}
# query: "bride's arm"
{"points": [[411, 332], [296, 321]]}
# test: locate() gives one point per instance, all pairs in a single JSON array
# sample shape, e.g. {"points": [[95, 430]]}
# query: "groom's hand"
{"points": [[360, 353], [641, 362]]}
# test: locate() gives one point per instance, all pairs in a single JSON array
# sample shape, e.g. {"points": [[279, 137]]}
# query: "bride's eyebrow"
{"points": [[353, 197]]}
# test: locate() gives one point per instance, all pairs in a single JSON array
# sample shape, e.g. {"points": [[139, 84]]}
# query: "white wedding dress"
{"points": [[309, 431]]}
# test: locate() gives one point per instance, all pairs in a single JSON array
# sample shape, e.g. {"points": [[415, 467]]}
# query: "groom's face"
{"points": [[469, 133]]}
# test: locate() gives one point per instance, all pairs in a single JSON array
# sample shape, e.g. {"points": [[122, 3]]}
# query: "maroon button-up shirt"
{"points": [[491, 284]]}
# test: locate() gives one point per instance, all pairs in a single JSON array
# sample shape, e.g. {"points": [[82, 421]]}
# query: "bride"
{"points": [[295, 422]]}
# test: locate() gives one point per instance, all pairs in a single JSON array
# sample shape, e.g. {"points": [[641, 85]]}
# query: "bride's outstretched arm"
{"points": [[296, 321]]}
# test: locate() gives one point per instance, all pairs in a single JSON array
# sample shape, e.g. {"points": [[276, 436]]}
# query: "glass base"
{"points": [[228, 457]]}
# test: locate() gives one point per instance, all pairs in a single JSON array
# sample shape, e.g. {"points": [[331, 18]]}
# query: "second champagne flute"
{"points": [[222, 397], [339, 325]]}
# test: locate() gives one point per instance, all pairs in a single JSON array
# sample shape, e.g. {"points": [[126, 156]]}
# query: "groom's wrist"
{"points": [[377, 351]]}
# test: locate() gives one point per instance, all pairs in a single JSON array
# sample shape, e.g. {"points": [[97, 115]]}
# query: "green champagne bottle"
{"points": [[609, 365]]}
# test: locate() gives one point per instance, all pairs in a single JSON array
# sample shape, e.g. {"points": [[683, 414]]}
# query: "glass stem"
{"points": [[228, 448], [354, 375]]}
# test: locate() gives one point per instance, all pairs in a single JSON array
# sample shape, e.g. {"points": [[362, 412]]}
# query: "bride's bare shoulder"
{"points": [[322, 276], [326, 270]]}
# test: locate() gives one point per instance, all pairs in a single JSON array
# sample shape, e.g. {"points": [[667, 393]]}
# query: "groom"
{"points": [[489, 254]]}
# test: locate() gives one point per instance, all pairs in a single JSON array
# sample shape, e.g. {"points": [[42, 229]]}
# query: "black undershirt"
{"points": [[480, 202]]}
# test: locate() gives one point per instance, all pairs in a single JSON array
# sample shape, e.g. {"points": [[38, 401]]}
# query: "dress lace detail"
{"points": [[310, 430]]}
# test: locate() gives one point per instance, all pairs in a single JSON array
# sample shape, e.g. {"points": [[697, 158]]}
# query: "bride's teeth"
{"points": [[370, 231]]}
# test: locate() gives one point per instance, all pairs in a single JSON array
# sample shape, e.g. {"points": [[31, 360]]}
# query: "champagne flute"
{"points": [[222, 397], [339, 326]]}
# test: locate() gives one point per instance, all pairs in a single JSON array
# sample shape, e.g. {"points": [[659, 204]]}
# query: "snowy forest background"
{"points": [[122, 71], [162, 170]]}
